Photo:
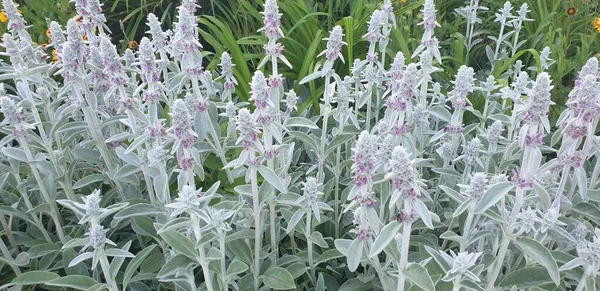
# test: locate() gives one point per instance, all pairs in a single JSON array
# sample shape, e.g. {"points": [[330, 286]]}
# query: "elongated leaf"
{"points": [[384, 238], [180, 243], [354, 284], [135, 264], [526, 277], [15, 153], [294, 220], [542, 255], [300, 122], [77, 282], [587, 210], [419, 276], [141, 209], [93, 178], [34, 278], [423, 212], [492, 196], [118, 253], [42, 250], [355, 252], [278, 278], [272, 178], [176, 263], [80, 258]]}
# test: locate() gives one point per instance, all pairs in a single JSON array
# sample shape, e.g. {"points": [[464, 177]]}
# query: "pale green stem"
{"points": [[406, 229], [8, 257], [467, 228], [43, 190], [310, 247], [223, 265], [257, 225], [274, 244], [106, 270], [322, 158], [203, 262], [497, 267]]}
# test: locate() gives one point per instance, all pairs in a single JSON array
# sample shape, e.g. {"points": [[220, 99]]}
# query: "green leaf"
{"points": [[294, 220], [423, 212], [140, 209], [492, 196], [77, 282], [15, 153], [34, 278], [526, 277], [180, 243], [300, 122], [237, 267], [542, 255], [41, 250], [118, 253], [329, 255], [453, 194], [542, 195], [135, 264], [279, 279], [355, 252], [420, 276], [587, 210], [272, 178], [89, 179], [384, 238], [176, 263], [354, 284], [337, 141]]}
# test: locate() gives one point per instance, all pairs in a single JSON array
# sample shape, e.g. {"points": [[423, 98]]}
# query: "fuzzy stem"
{"points": [[406, 229], [582, 283], [257, 226], [467, 228], [310, 246], [497, 267], [322, 158], [106, 270], [274, 244], [223, 265], [7, 256], [38, 178], [203, 262]]}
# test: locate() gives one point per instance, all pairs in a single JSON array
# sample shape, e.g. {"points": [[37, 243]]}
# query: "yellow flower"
{"points": [[3, 17], [54, 56], [596, 24], [404, 1], [133, 44], [48, 35], [571, 11]]}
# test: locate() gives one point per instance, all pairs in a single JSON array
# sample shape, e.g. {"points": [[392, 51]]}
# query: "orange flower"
{"points": [[44, 45], [3, 17], [571, 11], [54, 56], [49, 35], [596, 24], [85, 37], [133, 44]]}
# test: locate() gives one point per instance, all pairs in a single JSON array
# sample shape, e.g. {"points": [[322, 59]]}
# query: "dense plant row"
{"points": [[148, 171]]}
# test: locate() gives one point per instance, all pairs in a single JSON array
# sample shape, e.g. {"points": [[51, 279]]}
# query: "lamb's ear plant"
{"points": [[147, 170]]}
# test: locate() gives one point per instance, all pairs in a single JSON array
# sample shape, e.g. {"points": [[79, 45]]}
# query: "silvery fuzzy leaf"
{"points": [[80, 258], [419, 276], [271, 177], [15, 153], [354, 254]]}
